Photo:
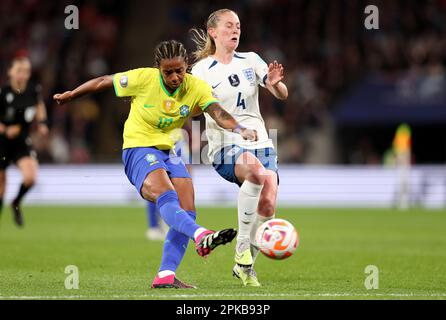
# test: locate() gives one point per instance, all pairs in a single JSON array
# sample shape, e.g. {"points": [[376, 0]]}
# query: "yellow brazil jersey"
{"points": [[155, 113]]}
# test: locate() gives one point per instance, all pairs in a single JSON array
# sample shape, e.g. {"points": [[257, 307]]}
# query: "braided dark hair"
{"points": [[169, 50]]}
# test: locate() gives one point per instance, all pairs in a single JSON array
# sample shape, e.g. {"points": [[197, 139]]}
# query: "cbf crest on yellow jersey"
{"points": [[155, 113]]}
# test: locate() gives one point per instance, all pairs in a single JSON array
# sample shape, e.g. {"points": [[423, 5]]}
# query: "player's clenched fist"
{"points": [[62, 98], [249, 134]]}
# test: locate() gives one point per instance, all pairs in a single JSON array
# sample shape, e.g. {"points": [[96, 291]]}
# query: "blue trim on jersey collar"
{"points": [[237, 56], [213, 64]]}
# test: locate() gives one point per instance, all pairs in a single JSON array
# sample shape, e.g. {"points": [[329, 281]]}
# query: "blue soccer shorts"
{"points": [[139, 162], [224, 161]]}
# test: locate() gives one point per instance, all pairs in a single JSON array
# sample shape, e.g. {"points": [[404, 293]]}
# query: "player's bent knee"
{"points": [[29, 181], [151, 192], [146, 192], [266, 207], [256, 175]]}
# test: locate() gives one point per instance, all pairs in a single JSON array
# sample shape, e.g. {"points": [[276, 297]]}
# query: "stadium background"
{"points": [[349, 88]]}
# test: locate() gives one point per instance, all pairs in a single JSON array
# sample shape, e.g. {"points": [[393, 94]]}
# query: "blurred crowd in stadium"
{"points": [[323, 45], [62, 59]]}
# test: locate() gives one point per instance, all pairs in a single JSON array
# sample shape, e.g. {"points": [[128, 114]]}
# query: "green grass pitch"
{"points": [[115, 261]]}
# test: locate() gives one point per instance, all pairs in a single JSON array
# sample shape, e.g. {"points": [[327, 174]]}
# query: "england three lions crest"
{"points": [[249, 74]]}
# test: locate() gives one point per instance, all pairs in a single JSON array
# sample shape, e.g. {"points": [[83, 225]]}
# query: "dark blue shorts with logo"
{"points": [[139, 162], [224, 161]]}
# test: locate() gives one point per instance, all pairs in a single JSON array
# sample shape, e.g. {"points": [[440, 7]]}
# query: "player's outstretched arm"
{"points": [[226, 121], [91, 86], [274, 81]]}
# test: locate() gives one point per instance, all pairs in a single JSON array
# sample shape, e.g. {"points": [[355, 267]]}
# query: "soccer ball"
{"points": [[277, 239]]}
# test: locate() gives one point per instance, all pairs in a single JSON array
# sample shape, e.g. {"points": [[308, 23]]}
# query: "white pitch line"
{"points": [[247, 295]]}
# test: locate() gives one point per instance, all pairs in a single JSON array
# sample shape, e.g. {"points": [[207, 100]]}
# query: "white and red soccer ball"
{"points": [[277, 239]]}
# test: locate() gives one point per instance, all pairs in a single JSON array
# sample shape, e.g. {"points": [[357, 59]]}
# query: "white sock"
{"points": [[258, 221], [165, 273], [248, 200]]}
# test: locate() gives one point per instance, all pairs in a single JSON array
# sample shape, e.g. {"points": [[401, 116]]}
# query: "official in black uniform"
{"points": [[20, 105]]}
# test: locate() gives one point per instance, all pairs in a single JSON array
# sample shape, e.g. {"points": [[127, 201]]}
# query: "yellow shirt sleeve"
{"points": [[129, 83], [206, 96]]}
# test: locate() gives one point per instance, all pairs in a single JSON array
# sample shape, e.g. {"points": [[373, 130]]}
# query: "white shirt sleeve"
{"points": [[196, 71], [261, 69]]}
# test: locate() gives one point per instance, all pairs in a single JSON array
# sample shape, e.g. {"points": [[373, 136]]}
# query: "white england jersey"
{"points": [[236, 85]]}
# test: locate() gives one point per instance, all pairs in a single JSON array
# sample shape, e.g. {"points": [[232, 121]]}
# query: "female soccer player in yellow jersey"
{"points": [[162, 98], [252, 165]]}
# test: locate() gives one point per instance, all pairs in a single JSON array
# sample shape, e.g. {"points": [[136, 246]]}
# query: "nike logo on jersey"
{"points": [[249, 214], [213, 87], [148, 106]]}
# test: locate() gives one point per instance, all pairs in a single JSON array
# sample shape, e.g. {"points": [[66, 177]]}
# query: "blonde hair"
{"points": [[204, 42]]}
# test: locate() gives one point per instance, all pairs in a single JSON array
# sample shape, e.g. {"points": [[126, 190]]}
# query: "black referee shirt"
{"points": [[19, 108]]}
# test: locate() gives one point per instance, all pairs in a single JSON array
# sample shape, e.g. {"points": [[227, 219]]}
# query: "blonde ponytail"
{"points": [[205, 44]]}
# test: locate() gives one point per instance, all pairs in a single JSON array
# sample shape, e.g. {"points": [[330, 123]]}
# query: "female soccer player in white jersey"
{"points": [[235, 77]]}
